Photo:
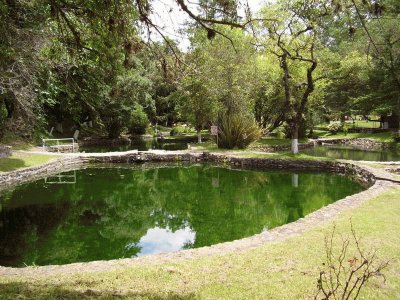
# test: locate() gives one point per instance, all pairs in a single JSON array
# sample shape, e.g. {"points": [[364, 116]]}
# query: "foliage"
{"points": [[180, 129], [237, 132], [138, 121], [334, 127]]}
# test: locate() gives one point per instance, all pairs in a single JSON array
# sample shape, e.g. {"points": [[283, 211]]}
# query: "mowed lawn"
{"points": [[282, 270], [20, 160]]}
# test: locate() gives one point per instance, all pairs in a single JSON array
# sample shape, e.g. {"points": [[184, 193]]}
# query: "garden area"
{"points": [[213, 149]]}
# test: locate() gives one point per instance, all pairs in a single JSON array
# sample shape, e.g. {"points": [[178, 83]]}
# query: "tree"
{"points": [[293, 39]]}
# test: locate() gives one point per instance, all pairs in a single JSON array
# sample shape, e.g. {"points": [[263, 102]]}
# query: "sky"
{"points": [[167, 15]]}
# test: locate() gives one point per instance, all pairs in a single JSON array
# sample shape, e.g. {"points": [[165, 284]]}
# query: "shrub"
{"points": [[237, 132], [138, 121], [114, 115], [177, 130], [395, 137], [344, 274], [334, 127]]}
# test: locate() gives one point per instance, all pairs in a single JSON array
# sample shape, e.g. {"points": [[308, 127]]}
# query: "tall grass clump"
{"points": [[237, 132]]}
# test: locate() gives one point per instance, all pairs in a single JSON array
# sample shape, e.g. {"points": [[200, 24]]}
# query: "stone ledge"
{"points": [[277, 234], [5, 151], [358, 173]]}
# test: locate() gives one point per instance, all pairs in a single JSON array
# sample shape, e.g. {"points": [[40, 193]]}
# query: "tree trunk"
{"points": [[295, 139], [199, 136]]}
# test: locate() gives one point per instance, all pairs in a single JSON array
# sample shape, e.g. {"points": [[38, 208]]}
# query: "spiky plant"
{"points": [[237, 132]]}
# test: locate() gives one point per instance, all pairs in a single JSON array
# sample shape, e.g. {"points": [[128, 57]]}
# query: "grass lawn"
{"points": [[271, 141], [380, 137], [22, 160], [283, 270], [358, 123]]}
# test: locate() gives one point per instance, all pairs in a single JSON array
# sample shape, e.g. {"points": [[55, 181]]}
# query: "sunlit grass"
{"points": [[386, 137], [22, 160]]}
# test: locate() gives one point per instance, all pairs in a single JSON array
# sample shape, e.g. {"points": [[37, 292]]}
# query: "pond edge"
{"points": [[316, 218]]}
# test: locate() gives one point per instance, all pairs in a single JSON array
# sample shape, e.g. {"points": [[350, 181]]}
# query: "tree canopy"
{"points": [[66, 62]]}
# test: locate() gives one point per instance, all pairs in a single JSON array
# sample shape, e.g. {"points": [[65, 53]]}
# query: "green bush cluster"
{"points": [[138, 121], [335, 127], [179, 130], [237, 132]]}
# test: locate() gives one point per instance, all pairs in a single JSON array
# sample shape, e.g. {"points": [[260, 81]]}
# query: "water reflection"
{"points": [[161, 240], [125, 212], [62, 178], [353, 153]]}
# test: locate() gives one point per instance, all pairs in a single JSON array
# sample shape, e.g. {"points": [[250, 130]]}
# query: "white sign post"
{"points": [[214, 131]]}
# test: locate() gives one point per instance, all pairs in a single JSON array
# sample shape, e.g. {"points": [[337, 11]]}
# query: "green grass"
{"points": [[385, 137], [357, 124], [22, 160], [283, 270], [271, 141], [265, 141], [16, 142], [282, 155]]}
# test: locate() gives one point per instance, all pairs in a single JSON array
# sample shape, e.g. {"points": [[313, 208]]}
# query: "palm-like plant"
{"points": [[237, 132]]}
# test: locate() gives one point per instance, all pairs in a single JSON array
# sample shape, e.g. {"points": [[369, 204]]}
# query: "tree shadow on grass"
{"points": [[23, 290], [11, 164]]}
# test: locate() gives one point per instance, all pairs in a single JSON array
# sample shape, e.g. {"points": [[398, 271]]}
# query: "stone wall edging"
{"points": [[5, 151], [274, 235], [9, 179], [364, 143]]}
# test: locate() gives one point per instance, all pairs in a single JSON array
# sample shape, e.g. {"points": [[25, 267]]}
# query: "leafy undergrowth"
{"points": [[284, 270], [22, 160]]}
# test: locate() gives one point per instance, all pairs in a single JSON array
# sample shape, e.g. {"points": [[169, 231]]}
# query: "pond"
{"points": [[143, 144], [353, 153], [128, 211]]}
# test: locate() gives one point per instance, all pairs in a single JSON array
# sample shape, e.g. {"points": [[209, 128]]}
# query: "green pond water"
{"points": [[353, 153], [108, 213]]}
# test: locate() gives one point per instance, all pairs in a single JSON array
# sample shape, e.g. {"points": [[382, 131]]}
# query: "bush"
{"points": [[114, 116], [395, 137], [237, 132], [179, 130], [138, 121], [334, 127]]}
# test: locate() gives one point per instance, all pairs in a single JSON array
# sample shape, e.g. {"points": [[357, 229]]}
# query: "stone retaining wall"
{"points": [[104, 141], [292, 229], [359, 174], [278, 148], [70, 162], [5, 151], [362, 143], [367, 144], [10, 179]]}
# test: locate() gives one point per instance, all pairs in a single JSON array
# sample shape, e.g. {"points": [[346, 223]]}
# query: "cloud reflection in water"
{"points": [[161, 240]]}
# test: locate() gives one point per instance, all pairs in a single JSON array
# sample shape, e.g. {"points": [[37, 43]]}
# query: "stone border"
{"points": [[5, 151], [277, 234], [362, 143]]}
